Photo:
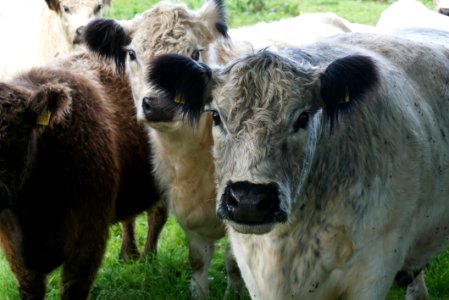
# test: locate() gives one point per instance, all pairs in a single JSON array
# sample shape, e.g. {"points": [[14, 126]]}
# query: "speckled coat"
{"points": [[353, 134]]}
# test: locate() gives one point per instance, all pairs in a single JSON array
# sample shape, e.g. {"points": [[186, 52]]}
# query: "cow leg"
{"points": [[157, 217], [417, 289], [32, 285], [235, 285], [128, 249], [78, 273], [201, 250]]}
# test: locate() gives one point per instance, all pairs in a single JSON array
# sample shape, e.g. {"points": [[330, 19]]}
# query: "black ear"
{"points": [[108, 39], [347, 83], [53, 5], [183, 80], [220, 24]]}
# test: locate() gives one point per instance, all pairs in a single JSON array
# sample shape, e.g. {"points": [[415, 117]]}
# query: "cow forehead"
{"points": [[262, 90], [169, 28], [79, 3]]}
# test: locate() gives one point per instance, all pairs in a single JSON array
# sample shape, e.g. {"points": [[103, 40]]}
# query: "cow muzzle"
{"points": [[154, 110], [251, 208]]}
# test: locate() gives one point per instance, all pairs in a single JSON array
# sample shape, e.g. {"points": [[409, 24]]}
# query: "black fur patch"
{"points": [[107, 38], [346, 82], [181, 79], [4, 197]]}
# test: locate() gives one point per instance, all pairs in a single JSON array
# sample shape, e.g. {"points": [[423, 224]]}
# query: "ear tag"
{"points": [[346, 99], [43, 118], [179, 100]]}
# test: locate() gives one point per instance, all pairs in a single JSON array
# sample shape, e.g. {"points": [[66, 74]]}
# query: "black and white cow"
{"points": [[332, 161]]}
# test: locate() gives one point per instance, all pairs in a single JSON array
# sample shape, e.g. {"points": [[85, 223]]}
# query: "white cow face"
{"points": [[75, 14], [165, 28], [265, 135]]}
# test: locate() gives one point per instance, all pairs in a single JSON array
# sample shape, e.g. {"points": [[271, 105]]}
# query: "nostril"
{"points": [[79, 30], [232, 200], [147, 103]]}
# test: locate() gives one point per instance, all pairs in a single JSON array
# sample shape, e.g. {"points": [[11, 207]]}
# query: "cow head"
{"points": [[165, 28], [75, 14], [269, 114], [26, 115]]}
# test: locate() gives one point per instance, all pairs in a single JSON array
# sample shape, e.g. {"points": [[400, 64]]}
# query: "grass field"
{"points": [[167, 276]]}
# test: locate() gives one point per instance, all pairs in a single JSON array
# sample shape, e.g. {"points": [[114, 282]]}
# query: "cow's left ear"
{"points": [[107, 38], [346, 83], [214, 14], [49, 104]]}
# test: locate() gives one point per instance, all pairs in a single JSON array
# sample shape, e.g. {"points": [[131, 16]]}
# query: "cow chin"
{"points": [[251, 229]]}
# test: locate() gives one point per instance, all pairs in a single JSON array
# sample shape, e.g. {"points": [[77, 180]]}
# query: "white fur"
{"points": [[32, 34]]}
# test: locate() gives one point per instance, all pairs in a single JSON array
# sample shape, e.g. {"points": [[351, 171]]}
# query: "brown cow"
{"points": [[73, 160]]}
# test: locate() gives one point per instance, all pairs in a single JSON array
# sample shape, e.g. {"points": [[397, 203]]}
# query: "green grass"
{"points": [[167, 276]]}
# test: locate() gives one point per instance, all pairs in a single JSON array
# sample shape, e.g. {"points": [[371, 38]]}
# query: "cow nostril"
{"points": [[444, 11], [79, 30], [232, 201], [147, 103]]}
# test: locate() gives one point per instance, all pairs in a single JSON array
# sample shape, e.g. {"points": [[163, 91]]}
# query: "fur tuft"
{"points": [[181, 79]]}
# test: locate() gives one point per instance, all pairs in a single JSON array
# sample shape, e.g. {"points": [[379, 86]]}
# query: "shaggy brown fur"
{"points": [[70, 175]]}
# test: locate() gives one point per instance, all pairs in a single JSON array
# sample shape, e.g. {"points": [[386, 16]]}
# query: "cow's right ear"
{"points": [[54, 5], [348, 83], [187, 82], [49, 105], [107, 38]]}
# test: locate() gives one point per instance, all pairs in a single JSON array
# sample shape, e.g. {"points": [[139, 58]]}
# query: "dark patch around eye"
{"points": [[301, 122]]}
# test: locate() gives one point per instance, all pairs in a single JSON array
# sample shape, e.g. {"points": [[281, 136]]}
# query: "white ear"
{"points": [[213, 13]]}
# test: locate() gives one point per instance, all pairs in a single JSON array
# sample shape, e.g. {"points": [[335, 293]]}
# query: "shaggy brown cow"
{"points": [[73, 160]]}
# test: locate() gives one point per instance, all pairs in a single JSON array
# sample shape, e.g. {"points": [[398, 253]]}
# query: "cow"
{"points": [[182, 161], [38, 31], [331, 160], [73, 161]]}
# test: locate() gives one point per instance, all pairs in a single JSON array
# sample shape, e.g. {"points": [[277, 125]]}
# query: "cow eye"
{"points": [[132, 54], [98, 8], [301, 122], [196, 54], [66, 9], [215, 117]]}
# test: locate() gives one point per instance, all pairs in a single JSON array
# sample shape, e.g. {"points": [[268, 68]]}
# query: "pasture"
{"points": [[167, 275]]}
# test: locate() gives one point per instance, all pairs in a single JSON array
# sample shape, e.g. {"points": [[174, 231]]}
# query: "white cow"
{"points": [[332, 160], [34, 32]]}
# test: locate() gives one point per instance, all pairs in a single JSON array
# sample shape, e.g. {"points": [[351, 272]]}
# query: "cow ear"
{"points": [[214, 14], [107, 38], [54, 5], [49, 104], [346, 83], [184, 80]]}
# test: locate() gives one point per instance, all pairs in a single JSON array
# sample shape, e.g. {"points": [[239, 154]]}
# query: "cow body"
{"points": [[332, 161], [72, 162]]}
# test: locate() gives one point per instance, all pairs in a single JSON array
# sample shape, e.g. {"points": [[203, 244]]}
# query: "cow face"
{"points": [[166, 28], [26, 115], [269, 116], [75, 14]]}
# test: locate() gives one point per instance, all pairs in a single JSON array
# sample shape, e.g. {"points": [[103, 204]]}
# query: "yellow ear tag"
{"points": [[179, 100], [43, 118]]}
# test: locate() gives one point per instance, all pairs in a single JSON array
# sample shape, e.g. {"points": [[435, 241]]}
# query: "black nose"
{"points": [[253, 204], [154, 110], [444, 11]]}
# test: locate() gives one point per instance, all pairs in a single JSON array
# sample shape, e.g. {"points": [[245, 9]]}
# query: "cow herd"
{"points": [[322, 155]]}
